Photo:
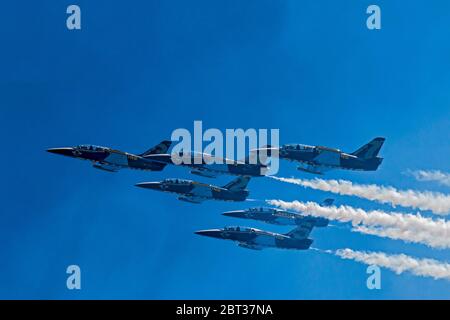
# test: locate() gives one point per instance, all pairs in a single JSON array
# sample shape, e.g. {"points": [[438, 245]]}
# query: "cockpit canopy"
{"points": [[299, 147], [176, 181], [90, 147], [240, 229], [261, 209]]}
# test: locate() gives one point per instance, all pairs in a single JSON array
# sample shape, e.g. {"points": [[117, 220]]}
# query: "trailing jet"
{"points": [[317, 159], [280, 217], [255, 239], [202, 164], [196, 192], [111, 160]]}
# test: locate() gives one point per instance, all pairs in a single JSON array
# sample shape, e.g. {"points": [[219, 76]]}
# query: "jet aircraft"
{"points": [[111, 160], [318, 159], [255, 239], [280, 217], [196, 192], [208, 166]]}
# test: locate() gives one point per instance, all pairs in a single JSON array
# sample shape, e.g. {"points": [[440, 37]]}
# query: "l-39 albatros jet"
{"points": [[255, 239], [317, 159], [208, 166], [281, 217], [196, 192], [111, 160]]}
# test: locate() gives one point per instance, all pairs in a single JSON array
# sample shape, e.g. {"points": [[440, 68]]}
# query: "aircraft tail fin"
{"points": [[327, 202], [238, 184], [301, 232], [370, 150], [160, 148]]}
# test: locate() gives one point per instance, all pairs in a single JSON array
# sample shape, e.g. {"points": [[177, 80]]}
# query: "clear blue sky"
{"points": [[139, 69]]}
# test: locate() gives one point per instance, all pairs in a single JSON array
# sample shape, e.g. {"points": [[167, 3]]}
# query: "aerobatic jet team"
{"points": [[311, 159]]}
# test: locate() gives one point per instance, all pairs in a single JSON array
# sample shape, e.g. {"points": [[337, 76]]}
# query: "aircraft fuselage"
{"points": [[108, 159], [251, 238], [277, 217], [327, 157], [200, 166], [192, 191]]}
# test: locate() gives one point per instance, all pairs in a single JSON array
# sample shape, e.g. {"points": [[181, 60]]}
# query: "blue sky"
{"points": [[136, 71]]}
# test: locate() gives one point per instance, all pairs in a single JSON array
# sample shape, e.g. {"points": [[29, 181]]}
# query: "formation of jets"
{"points": [[311, 159]]}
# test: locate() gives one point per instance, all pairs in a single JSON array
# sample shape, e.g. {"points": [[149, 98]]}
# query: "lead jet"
{"points": [[280, 217], [202, 164], [317, 159], [112, 160], [196, 192], [255, 239]]}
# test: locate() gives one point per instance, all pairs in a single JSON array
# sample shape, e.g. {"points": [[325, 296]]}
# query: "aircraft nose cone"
{"points": [[234, 214], [214, 233], [149, 185], [61, 151]]}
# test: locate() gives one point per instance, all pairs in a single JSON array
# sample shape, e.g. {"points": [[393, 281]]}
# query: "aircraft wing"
{"points": [[249, 246], [204, 173], [315, 169], [106, 167], [302, 231], [329, 156], [191, 199]]}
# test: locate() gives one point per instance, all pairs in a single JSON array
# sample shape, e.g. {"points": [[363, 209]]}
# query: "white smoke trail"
{"points": [[407, 227], [400, 234], [399, 263], [254, 200], [431, 175], [438, 203]]}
